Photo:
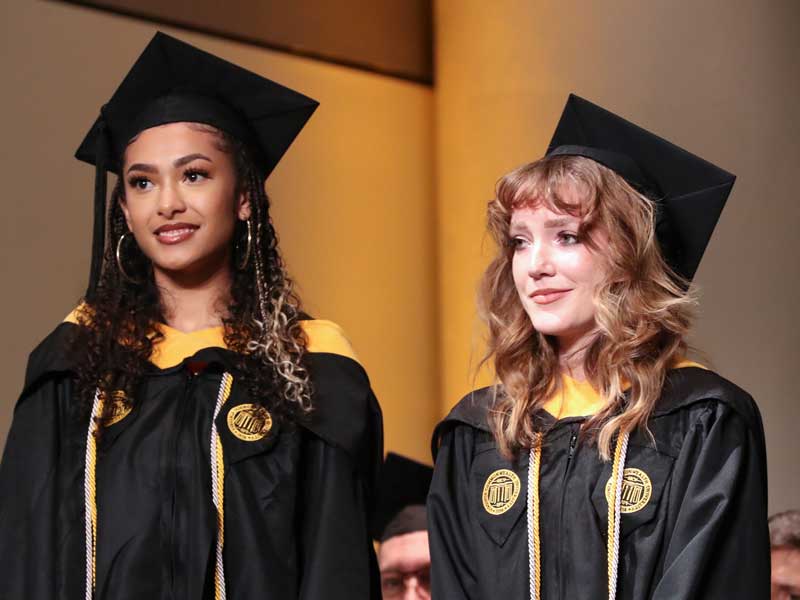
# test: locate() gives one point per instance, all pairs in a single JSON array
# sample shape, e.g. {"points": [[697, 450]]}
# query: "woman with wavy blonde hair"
{"points": [[189, 433], [603, 463]]}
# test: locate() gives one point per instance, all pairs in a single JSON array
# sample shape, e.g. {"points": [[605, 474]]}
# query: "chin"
{"points": [[191, 264], [175, 264], [548, 323]]}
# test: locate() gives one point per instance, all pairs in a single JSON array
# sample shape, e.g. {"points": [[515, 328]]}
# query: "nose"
{"points": [[414, 591], [541, 261], [170, 201]]}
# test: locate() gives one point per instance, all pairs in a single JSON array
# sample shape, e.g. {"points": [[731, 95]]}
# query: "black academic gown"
{"points": [[296, 502], [701, 534]]}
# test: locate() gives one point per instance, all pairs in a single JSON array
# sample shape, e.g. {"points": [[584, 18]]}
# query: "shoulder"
{"points": [[696, 389], [335, 370], [473, 409], [345, 412], [53, 356], [331, 360], [326, 337], [472, 412]]}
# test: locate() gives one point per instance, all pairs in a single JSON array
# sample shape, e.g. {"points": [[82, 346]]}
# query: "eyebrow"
{"points": [[560, 222], [189, 158], [178, 162]]}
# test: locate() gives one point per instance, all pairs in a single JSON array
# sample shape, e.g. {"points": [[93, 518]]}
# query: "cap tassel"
{"points": [[100, 191]]}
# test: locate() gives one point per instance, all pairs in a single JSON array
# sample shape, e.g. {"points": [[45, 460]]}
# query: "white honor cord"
{"points": [[531, 550], [218, 486], [89, 494]]}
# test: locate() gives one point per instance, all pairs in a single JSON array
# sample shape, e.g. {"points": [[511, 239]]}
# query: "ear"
{"points": [[125, 211], [243, 208]]}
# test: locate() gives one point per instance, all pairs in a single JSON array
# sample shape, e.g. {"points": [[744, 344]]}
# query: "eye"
{"points": [[140, 183], [195, 175], [392, 584], [518, 243], [567, 238]]}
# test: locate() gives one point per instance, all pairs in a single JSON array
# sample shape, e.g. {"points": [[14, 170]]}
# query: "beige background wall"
{"points": [[719, 77], [352, 199]]}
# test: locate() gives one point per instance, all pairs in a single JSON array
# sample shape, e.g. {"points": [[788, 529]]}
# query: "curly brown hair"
{"points": [[121, 318], [644, 309]]}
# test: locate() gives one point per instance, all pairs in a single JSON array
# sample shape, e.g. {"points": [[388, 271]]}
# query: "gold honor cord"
{"points": [[534, 547], [217, 490], [614, 510], [614, 514]]}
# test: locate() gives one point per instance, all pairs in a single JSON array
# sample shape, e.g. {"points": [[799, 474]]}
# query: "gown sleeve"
{"points": [[449, 528], [29, 503], [338, 560], [719, 546], [342, 460]]}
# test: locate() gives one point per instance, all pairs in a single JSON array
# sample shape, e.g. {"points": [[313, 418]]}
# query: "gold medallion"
{"points": [[249, 422], [120, 408], [636, 491], [500, 491]]}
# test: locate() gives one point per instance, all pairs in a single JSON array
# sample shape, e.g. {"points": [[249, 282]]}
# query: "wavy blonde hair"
{"points": [[643, 308]]}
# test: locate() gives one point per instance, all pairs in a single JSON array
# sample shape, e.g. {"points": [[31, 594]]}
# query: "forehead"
{"points": [[171, 141], [405, 552]]}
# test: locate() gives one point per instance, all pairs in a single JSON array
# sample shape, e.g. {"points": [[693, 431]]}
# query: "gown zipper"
{"points": [[573, 442]]}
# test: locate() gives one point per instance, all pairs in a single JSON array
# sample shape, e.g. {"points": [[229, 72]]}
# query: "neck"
{"points": [[192, 301], [572, 353]]}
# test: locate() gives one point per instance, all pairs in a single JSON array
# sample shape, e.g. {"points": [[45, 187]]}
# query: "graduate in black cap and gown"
{"points": [[603, 464], [402, 529], [188, 432]]}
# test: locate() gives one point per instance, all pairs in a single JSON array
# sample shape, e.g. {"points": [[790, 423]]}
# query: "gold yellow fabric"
{"points": [[580, 399], [323, 337]]}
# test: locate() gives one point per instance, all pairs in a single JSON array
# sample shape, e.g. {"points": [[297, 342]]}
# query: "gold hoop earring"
{"points": [[122, 270], [243, 262]]}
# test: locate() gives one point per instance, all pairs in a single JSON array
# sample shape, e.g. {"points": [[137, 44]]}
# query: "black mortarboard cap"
{"points": [[174, 82], [688, 191], [402, 495]]}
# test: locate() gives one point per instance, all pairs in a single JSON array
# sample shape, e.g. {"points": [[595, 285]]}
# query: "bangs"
{"points": [[553, 183]]}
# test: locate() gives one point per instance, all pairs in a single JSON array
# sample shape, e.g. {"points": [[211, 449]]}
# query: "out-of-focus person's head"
{"points": [[405, 560], [784, 539], [402, 529]]}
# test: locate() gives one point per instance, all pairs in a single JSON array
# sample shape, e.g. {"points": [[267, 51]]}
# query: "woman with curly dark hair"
{"points": [[603, 463], [188, 432]]}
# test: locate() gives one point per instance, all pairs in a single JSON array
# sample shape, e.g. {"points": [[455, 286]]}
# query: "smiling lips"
{"points": [[175, 233], [548, 295]]}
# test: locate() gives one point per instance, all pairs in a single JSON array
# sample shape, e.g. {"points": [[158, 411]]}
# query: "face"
{"points": [[555, 273], [180, 201], [785, 574], [405, 564]]}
